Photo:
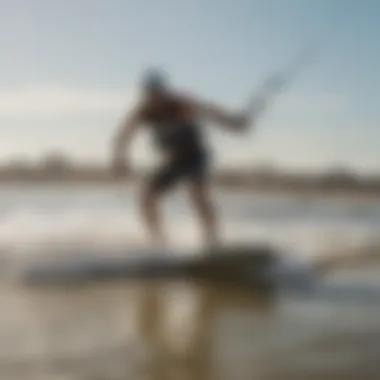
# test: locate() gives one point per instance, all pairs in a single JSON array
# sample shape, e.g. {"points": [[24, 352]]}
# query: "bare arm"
{"points": [[125, 133], [234, 121]]}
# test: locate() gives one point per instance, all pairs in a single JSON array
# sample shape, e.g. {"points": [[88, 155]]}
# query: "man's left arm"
{"points": [[237, 121]]}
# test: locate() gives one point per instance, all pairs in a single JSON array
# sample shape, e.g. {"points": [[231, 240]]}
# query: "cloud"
{"points": [[55, 101], [61, 101]]}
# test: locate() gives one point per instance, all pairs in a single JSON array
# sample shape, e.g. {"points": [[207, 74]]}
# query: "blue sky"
{"points": [[69, 71]]}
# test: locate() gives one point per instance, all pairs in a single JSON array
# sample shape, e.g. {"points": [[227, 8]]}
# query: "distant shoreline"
{"points": [[267, 190], [58, 169]]}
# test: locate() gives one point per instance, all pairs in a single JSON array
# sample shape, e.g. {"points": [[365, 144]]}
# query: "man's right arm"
{"points": [[125, 132], [121, 141]]}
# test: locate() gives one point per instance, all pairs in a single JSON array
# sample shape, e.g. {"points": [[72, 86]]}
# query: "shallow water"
{"points": [[177, 330], [182, 331]]}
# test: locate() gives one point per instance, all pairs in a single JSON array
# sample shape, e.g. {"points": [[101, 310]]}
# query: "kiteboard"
{"points": [[233, 264]]}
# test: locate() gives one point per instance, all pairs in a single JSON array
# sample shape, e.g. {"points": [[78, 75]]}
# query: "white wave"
{"points": [[32, 229], [103, 222]]}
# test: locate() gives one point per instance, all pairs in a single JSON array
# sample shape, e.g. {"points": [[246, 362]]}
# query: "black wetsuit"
{"points": [[180, 138]]}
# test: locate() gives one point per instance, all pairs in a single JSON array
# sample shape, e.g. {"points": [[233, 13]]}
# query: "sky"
{"points": [[70, 72]]}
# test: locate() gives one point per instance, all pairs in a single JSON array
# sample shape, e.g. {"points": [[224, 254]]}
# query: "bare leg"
{"points": [[204, 207], [150, 213]]}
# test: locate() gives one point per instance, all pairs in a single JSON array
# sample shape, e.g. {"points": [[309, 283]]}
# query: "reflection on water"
{"points": [[180, 331]]}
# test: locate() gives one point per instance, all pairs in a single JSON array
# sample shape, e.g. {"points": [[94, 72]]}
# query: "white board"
{"points": [[235, 264], [84, 269]]}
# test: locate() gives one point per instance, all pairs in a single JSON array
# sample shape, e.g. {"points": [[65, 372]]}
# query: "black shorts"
{"points": [[192, 167]]}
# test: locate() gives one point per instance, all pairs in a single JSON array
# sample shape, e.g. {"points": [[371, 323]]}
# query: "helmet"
{"points": [[154, 79]]}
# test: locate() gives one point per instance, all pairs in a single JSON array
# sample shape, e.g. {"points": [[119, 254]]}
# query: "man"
{"points": [[174, 120]]}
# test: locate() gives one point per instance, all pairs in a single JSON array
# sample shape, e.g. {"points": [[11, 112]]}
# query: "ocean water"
{"points": [[177, 330]]}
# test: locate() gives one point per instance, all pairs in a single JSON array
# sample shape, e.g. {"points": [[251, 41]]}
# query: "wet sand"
{"points": [[175, 330]]}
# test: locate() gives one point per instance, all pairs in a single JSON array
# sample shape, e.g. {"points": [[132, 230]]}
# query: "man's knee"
{"points": [[149, 196], [200, 195]]}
